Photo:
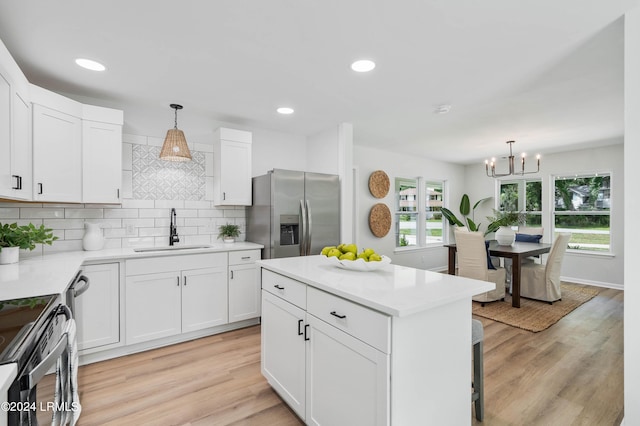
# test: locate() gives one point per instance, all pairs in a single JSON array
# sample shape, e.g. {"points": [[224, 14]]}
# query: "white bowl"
{"points": [[358, 264]]}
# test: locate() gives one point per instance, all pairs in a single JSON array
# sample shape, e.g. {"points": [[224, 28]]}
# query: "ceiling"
{"points": [[546, 73]]}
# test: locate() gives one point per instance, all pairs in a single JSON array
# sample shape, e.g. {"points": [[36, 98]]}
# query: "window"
{"points": [[418, 202], [523, 195], [582, 207]]}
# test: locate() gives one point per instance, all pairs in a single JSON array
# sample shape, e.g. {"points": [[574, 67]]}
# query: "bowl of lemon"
{"points": [[347, 256]]}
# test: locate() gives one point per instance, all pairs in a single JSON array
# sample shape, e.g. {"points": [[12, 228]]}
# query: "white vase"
{"points": [[505, 236], [93, 239], [9, 255], [228, 239]]}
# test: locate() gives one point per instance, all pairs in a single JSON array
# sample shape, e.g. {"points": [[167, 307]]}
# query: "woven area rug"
{"points": [[534, 315]]}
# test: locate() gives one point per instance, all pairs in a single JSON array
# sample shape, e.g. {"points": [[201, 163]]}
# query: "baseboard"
{"points": [[593, 283]]}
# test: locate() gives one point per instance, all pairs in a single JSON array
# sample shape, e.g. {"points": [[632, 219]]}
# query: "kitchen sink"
{"points": [[172, 248]]}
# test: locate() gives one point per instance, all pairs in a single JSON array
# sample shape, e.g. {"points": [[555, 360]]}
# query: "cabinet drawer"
{"points": [[175, 263], [370, 326], [290, 290], [242, 257]]}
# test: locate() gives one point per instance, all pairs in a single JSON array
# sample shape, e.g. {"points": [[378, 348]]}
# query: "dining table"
{"points": [[516, 252]]}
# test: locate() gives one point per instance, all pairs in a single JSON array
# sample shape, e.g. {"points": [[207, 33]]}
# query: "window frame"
{"points": [[420, 213], [609, 213], [522, 196]]}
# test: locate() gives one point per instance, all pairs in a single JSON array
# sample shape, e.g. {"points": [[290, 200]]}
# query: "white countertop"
{"points": [[394, 290], [52, 273]]}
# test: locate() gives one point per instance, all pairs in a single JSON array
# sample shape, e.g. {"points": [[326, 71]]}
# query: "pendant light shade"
{"points": [[175, 146]]}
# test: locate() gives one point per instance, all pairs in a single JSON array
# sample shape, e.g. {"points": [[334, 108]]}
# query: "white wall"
{"points": [[583, 268], [273, 150], [368, 160], [632, 226]]}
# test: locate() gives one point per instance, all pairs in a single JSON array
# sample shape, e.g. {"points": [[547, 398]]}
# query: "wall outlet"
{"points": [[130, 230]]}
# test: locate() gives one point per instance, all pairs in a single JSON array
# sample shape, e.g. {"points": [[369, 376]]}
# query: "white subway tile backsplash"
{"points": [[210, 213], [187, 230], [154, 213], [164, 222], [64, 223], [83, 213], [138, 223], [111, 243], [153, 232], [187, 213], [197, 221], [197, 239], [120, 213], [41, 213], [117, 233], [137, 204], [138, 242], [9, 213], [73, 234], [63, 245], [169, 204], [188, 204]]}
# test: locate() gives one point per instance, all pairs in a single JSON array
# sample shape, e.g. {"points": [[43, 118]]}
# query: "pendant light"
{"points": [[490, 167], [175, 146]]}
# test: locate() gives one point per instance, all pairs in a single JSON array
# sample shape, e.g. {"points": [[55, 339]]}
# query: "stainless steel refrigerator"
{"points": [[294, 213]]}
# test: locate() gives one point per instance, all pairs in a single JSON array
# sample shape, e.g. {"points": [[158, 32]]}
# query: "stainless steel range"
{"points": [[34, 335]]}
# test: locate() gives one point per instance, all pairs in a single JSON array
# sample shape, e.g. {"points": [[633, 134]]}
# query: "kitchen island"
{"points": [[392, 346]]}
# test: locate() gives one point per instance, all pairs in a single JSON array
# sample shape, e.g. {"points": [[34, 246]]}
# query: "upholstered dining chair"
{"points": [[542, 281], [522, 234], [473, 262]]}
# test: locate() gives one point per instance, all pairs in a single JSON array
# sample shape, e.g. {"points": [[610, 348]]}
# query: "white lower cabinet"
{"points": [[244, 285], [177, 301], [97, 311], [322, 368]]}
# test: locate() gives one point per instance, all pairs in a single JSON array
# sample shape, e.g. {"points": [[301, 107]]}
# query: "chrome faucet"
{"points": [[173, 231]]}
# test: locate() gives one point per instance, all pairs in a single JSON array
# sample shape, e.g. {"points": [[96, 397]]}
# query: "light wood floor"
{"points": [[570, 374]]}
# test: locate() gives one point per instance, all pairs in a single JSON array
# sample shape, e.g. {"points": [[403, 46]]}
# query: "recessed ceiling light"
{"points": [[442, 109], [363, 65], [285, 110], [90, 65]]}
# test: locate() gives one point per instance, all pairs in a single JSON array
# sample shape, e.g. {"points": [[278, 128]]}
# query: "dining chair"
{"points": [[473, 262], [523, 231], [477, 339], [542, 281]]}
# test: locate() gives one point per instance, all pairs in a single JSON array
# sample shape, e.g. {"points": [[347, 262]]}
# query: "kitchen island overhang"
{"points": [[420, 376]]}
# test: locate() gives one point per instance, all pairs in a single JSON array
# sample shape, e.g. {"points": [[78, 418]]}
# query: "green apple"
{"points": [[348, 256], [375, 257], [334, 252]]}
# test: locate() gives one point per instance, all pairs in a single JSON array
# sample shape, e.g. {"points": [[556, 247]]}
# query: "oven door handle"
{"points": [[39, 371], [78, 290]]}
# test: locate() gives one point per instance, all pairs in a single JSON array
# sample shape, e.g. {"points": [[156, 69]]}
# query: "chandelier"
{"points": [[491, 166]]}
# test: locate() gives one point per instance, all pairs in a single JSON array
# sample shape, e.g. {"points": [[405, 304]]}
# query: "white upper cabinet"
{"points": [[77, 150], [57, 147], [232, 167], [15, 130], [101, 155]]}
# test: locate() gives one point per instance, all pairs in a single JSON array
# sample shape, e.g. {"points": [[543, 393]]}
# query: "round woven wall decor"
{"points": [[379, 184], [380, 220]]}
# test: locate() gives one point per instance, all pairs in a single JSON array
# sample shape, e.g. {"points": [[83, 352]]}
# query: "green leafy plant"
{"points": [[229, 231], [26, 237], [465, 209], [506, 218]]}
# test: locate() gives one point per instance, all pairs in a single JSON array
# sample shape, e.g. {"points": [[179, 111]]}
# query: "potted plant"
{"points": [[501, 224], [14, 237], [229, 232], [465, 209]]}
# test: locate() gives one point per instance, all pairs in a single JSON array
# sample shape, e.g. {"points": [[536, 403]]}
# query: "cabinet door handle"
{"points": [[245, 257], [299, 330], [20, 182], [178, 281], [40, 189], [231, 275], [224, 195], [17, 182], [335, 314], [118, 193], [185, 280], [278, 287], [306, 327]]}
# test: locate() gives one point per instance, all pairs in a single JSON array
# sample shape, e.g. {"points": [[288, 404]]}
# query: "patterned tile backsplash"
{"points": [[151, 187], [156, 179]]}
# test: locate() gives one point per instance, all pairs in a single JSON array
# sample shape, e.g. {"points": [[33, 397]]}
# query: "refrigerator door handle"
{"points": [[309, 228], [303, 233]]}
